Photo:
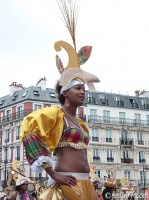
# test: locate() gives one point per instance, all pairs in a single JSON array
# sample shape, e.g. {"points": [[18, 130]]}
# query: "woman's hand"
{"points": [[64, 179]]}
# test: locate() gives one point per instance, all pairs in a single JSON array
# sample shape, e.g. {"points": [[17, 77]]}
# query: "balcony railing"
{"points": [[96, 159], [95, 139], [118, 121], [141, 142], [108, 139], [142, 183], [127, 160], [126, 141], [15, 116], [110, 159], [142, 160]]}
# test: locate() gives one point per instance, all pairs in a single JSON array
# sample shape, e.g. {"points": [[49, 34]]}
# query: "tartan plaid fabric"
{"points": [[34, 148]]}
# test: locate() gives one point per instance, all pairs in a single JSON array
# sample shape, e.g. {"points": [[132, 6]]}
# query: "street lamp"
{"points": [[5, 147], [144, 168]]}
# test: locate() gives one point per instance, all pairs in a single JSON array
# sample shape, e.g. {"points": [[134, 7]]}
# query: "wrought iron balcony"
{"points": [[115, 120], [141, 142], [142, 161], [126, 141], [95, 139], [127, 160], [110, 159], [96, 159], [15, 116], [108, 139]]}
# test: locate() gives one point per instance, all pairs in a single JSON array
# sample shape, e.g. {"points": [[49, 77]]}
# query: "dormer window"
{"points": [[119, 101], [103, 99], [134, 103], [36, 92], [52, 95], [1, 102], [15, 97], [145, 103], [90, 98], [24, 94]]}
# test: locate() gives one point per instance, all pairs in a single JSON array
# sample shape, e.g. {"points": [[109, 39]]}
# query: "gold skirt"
{"points": [[84, 190]]}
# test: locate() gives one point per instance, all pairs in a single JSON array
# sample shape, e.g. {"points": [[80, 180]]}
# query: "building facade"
{"points": [[118, 124]]}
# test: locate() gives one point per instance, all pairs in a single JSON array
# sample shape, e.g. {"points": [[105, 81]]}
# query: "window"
{"points": [[36, 92], [90, 98], [8, 112], [119, 101], [142, 176], [147, 118], [17, 153], [14, 97], [52, 95], [17, 132], [24, 94], [98, 172], [109, 155], [93, 115], [106, 116], [125, 154], [124, 134], [108, 133], [122, 117], [145, 103], [1, 102], [96, 157], [140, 138], [137, 119], [134, 103], [103, 100], [127, 174], [37, 106], [6, 155], [7, 131], [40, 176], [95, 135], [19, 112], [141, 157], [1, 116]]}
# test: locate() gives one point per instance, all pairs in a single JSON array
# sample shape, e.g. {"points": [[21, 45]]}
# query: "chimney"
{"points": [[42, 83], [137, 92], [15, 87]]}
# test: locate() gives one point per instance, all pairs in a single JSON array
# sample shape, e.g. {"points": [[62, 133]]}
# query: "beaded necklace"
{"points": [[75, 122]]}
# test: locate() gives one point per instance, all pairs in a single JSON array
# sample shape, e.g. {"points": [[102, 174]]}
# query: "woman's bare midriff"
{"points": [[72, 160]]}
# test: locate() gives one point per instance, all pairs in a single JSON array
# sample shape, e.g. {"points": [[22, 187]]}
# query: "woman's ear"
{"points": [[65, 94]]}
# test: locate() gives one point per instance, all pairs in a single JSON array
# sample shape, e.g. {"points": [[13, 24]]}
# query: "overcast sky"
{"points": [[118, 31]]}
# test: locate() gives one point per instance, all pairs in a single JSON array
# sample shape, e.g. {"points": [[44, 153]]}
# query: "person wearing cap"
{"points": [[21, 192], [59, 130]]}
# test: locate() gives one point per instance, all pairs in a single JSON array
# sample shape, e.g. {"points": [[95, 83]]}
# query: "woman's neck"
{"points": [[70, 110]]}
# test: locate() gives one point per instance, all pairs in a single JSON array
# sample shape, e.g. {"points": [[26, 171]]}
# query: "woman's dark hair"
{"points": [[60, 97]]}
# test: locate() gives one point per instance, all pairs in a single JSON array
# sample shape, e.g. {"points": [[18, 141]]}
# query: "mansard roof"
{"points": [[35, 93]]}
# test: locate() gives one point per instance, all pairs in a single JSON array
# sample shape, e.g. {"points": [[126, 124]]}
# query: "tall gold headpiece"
{"points": [[69, 11]]}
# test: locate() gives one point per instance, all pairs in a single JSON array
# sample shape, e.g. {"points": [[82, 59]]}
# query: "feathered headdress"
{"points": [[69, 10]]}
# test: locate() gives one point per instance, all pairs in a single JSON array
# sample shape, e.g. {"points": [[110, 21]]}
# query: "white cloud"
{"points": [[117, 30]]}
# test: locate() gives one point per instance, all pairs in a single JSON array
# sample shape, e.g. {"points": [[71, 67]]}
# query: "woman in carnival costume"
{"points": [[60, 130]]}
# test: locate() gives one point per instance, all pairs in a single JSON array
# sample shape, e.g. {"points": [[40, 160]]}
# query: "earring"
{"points": [[66, 102]]}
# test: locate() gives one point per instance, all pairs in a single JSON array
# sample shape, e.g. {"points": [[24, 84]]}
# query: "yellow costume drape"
{"points": [[84, 190], [47, 124]]}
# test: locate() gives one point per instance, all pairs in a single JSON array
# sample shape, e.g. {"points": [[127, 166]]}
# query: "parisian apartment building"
{"points": [[118, 124]]}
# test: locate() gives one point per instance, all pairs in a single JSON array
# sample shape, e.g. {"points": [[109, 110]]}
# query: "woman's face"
{"points": [[76, 95]]}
